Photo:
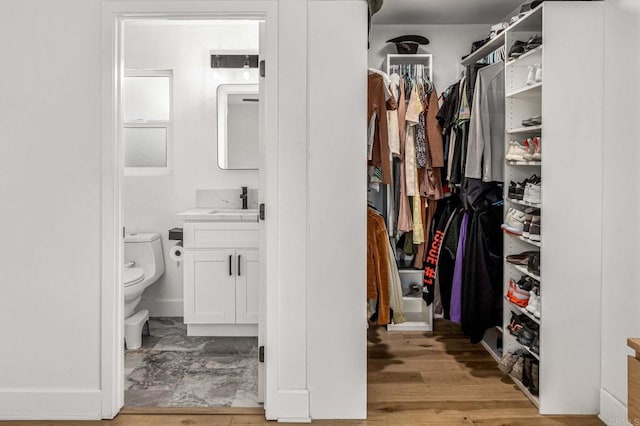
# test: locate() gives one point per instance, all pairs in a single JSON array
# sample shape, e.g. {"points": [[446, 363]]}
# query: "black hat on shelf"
{"points": [[408, 44]]}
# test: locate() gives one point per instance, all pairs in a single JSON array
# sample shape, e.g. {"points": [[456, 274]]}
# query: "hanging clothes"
{"points": [[377, 103], [378, 280], [455, 310], [485, 151], [482, 273]]}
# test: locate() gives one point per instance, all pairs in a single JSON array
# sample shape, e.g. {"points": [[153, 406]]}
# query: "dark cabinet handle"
{"points": [[230, 271], [239, 256]]}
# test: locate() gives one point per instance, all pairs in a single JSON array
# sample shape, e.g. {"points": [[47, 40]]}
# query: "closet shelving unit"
{"points": [[569, 99], [419, 316]]}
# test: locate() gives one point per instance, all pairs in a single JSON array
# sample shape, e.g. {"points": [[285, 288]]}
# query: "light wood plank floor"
{"points": [[414, 379]]}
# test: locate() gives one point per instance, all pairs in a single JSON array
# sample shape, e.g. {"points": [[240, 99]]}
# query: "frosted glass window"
{"points": [[145, 146], [147, 98]]}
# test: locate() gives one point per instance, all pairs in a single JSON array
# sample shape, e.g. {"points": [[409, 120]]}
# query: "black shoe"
{"points": [[534, 384], [534, 264], [516, 190], [526, 371], [517, 49], [535, 345], [533, 42]]}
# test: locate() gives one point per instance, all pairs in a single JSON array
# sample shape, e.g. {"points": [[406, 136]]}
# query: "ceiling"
{"points": [[431, 12]]}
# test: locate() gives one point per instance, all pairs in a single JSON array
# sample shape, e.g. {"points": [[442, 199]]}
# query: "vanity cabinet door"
{"points": [[210, 286], [247, 290]]}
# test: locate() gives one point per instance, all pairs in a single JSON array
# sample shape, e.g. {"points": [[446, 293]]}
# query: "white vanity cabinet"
{"points": [[221, 293]]}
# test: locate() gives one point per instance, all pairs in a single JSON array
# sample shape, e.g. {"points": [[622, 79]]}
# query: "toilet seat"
{"points": [[132, 276]]}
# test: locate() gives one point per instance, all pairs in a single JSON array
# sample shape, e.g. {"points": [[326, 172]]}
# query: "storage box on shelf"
{"points": [[568, 99], [419, 316]]}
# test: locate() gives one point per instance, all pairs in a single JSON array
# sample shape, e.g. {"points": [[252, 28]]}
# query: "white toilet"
{"points": [[143, 265]]}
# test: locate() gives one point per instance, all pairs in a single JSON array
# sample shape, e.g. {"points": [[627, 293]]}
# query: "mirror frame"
{"points": [[222, 94]]}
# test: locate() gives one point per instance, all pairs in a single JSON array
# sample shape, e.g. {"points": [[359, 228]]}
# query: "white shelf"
{"points": [[500, 329], [522, 58], [523, 311], [527, 392], [491, 351], [410, 326], [525, 271], [524, 163], [485, 50], [533, 91], [530, 129], [535, 243], [524, 203]]}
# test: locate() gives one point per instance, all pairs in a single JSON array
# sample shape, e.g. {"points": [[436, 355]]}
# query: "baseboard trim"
{"points": [[163, 308], [227, 411], [295, 404], [50, 405], [612, 410]]}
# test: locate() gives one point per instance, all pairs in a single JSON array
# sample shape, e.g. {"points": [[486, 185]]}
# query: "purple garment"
{"points": [[455, 311]]}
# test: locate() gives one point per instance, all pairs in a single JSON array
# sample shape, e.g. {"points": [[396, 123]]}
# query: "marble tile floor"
{"points": [[172, 369]]}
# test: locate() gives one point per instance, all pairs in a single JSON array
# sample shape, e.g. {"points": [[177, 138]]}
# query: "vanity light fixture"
{"points": [[244, 62]]}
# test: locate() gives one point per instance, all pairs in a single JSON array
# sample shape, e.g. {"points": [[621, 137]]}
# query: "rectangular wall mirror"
{"points": [[238, 106]]}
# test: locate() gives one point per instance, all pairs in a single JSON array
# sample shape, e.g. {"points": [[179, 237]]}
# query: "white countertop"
{"points": [[213, 214]]}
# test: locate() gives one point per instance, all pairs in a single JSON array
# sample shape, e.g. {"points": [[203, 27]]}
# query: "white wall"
{"points": [[621, 234], [447, 43], [50, 185], [151, 203]]}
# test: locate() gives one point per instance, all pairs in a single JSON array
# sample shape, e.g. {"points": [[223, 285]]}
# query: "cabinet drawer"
{"points": [[220, 235]]}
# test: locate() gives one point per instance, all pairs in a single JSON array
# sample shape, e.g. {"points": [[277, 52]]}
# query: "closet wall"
{"points": [[448, 43], [151, 203], [620, 203]]}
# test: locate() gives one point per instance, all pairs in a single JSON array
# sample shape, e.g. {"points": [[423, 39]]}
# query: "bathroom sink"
{"points": [[234, 211]]}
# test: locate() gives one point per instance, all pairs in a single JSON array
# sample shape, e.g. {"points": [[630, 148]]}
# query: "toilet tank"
{"points": [[145, 249]]}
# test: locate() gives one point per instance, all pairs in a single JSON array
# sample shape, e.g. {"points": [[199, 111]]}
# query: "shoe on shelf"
{"points": [[533, 193], [535, 345], [534, 385], [517, 49], [533, 265], [517, 151], [533, 42], [532, 121], [538, 73], [532, 307], [508, 360], [531, 76], [527, 225], [518, 366], [531, 149], [515, 223], [534, 153], [534, 229], [519, 296], [516, 190], [526, 283], [521, 259]]}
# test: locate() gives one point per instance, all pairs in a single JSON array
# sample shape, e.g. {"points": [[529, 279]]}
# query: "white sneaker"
{"points": [[516, 151], [531, 77], [538, 73], [515, 222], [533, 302], [533, 193]]}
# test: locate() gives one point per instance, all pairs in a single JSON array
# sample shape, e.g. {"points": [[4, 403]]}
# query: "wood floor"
{"points": [[413, 379]]}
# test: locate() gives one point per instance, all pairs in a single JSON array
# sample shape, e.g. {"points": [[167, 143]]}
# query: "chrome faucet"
{"points": [[244, 198]]}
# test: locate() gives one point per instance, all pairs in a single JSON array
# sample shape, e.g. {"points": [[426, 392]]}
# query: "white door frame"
{"points": [[114, 13]]}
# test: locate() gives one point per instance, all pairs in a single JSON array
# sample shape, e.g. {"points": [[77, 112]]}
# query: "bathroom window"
{"points": [[147, 112]]}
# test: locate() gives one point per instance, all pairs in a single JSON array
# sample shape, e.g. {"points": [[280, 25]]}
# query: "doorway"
{"points": [[114, 218]]}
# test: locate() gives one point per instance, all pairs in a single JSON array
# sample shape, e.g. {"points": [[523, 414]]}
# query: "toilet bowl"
{"points": [[144, 264]]}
